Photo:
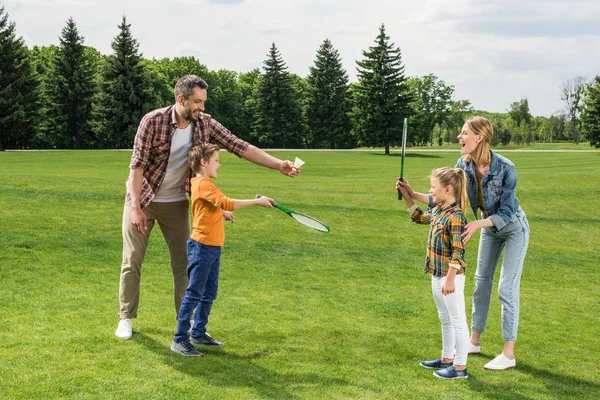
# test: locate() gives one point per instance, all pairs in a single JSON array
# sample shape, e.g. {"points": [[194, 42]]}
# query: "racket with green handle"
{"points": [[302, 218], [404, 128]]}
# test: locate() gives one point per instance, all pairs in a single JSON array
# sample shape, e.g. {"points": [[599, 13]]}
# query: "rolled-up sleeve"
{"points": [[142, 144], [456, 227], [508, 200]]}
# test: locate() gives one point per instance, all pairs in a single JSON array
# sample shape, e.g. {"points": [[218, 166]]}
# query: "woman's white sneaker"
{"points": [[472, 349], [124, 330], [500, 363]]}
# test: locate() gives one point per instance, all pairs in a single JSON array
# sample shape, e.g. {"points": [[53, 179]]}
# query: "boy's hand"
{"points": [[265, 202], [228, 215]]}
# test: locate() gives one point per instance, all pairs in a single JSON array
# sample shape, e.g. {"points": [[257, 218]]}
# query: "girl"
{"points": [[446, 265]]}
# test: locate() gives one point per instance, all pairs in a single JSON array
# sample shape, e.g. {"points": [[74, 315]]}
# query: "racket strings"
{"points": [[310, 222]]}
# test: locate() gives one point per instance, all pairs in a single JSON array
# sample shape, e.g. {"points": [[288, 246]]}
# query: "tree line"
{"points": [[70, 96]]}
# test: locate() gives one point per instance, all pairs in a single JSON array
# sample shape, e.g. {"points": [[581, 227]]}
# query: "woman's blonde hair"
{"points": [[481, 127], [204, 152], [457, 179]]}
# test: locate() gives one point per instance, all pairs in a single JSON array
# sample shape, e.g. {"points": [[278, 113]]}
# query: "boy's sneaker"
{"points": [[500, 363], [472, 349], [205, 340], [185, 348], [124, 330], [435, 364], [451, 373]]}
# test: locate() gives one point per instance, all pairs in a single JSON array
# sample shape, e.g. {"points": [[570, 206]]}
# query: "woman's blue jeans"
{"points": [[513, 239], [203, 272]]}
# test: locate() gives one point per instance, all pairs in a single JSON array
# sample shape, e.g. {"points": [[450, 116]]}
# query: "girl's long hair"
{"points": [[456, 178], [481, 127]]}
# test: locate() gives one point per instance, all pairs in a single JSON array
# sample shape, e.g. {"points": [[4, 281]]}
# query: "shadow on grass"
{"points": [[407, 155], [221, 368], [557, 385]]}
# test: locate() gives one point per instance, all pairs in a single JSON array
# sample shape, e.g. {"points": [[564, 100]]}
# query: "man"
{"points": [[159, 179]]}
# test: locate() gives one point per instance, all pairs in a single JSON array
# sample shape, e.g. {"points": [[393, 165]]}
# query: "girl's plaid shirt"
{"points": [[152, 146], [444, 244]]}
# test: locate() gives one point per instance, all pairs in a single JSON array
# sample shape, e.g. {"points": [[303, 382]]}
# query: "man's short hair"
{"points": [[185, 86]]}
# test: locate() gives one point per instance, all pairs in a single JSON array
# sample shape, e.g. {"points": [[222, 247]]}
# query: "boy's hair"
{"points": [[202, 151], [481, 127], [185, 86], [456, 178]]}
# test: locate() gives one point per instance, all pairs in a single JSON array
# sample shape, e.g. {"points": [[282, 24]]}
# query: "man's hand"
{"points": [[286, 167], [139, 220]]}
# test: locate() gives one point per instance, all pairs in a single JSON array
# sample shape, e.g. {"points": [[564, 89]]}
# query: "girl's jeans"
{"points": [[203, 272], [451, 310], [514, 239]]}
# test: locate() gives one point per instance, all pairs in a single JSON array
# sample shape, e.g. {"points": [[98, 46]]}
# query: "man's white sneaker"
{"points": [[124, 330], [500, 363], [472, 349]]}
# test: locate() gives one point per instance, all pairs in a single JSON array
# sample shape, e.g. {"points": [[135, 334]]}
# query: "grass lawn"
{"points": [[305, 315]]}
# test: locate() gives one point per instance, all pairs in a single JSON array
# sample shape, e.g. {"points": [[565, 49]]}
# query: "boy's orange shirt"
{"points": [[208, 202]]}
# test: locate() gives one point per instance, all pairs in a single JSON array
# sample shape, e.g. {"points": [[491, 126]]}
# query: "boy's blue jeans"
{"points": [[203, 272], [513, 239]]}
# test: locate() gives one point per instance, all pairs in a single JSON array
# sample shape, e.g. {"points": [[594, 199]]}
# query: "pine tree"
{"points": [[125, 93], [69, 91], [18, 89], [326, 111], [380, 97], [590, 117], [278, 115]]}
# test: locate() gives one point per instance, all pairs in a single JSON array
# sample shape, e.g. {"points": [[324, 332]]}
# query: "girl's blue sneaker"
{"points": [[451, 373], [435, 364]]}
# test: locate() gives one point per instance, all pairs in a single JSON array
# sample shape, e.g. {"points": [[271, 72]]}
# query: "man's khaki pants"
{"points": [[174, 221]]}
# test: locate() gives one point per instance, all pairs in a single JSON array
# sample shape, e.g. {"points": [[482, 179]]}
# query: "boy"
{"points": [[209, 207]]}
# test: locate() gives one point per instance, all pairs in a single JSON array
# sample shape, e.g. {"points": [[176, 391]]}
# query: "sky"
{"points": [[494, 52]]}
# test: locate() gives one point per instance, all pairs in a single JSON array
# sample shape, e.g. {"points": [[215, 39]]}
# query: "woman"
{"points": [[491, 184]]}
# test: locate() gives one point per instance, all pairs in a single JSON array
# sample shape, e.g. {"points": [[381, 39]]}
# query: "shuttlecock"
{"points": [[298, 163]]}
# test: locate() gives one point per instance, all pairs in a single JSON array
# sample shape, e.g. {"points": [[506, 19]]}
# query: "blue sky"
{"points": [[492, 52]]}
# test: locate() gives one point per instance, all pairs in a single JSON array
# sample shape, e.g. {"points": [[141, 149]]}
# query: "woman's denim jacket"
{"points": [[498, 188]]}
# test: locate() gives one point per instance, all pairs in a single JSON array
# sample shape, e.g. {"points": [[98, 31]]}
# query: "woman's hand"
{"points": [[472, 227]]}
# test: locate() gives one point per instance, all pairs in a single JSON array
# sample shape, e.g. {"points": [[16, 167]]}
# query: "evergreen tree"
{"points": [[590, 117], [42, 58], [326, 111], [278, 120], [248, 84], [69, 91], [18, 88], [125, 93], [381, 99]]}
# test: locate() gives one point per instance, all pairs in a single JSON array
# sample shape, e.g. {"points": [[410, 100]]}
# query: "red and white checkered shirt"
{"points": [[152, 147]]}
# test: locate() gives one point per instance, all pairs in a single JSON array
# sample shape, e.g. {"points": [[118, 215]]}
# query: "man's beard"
{"points": [[187, 112]]}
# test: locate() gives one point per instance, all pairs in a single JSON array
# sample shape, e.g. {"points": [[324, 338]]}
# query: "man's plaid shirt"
{"points": [[444, 244], [152, 146]]}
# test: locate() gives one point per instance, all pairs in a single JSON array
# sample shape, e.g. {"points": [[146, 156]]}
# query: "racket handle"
{"points": [[258, 196], [399, 192]]}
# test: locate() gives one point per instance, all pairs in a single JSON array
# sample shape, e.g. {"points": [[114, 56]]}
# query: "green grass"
{"points": [[304, 315]]}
